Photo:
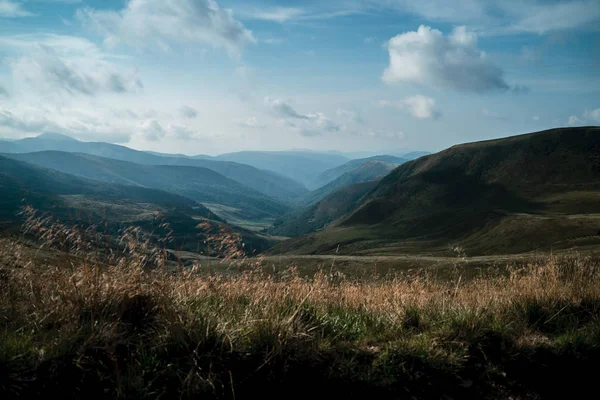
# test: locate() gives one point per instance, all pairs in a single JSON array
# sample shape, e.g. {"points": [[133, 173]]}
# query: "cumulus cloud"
{"points": [[419, 106], [427, 57], [164, 23], [422, 107], [13, 9], [71, 65], [593, 115], [152, 131], [188, 112], [283, 109], [574, 120], [313, 124], [588, 117]]}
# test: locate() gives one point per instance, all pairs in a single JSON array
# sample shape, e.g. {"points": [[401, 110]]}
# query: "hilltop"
{"points": [[518, 194]]}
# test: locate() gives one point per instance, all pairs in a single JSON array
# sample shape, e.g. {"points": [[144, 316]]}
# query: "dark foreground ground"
{"points": [[79, 324]]}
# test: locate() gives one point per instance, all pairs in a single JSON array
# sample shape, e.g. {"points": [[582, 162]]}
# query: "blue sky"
{"points": [[204, 76]]}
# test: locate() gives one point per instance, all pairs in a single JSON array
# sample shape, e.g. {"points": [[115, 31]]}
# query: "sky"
{"points": [[217, 76]]}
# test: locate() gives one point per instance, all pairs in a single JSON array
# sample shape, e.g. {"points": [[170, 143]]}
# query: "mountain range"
{"points": [[266, 182], [200, 184], [76, 200], [517, 194]]}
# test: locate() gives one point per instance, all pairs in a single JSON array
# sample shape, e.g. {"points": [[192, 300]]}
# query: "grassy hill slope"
{"points": [[368, 171], [79, 200], [533, 191], [332, 174], [319, 215]]}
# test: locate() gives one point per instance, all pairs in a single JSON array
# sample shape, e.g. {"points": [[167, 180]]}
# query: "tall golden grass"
{"points": [[118, 322]]}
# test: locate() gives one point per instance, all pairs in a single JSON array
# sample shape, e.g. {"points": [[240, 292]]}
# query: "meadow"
{"points": [[94, 321]]}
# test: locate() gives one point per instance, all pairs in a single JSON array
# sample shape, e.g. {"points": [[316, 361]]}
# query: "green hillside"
{"points": [[326, 211], [368, 171], [199, 184], [74, 199], [522, 193], [332, 174], [266, 182]]}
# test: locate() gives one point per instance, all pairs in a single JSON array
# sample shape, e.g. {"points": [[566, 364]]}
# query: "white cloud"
{"points": [[188, 112], [501, 17], [324, 123], [66, 64], [593, 115], [419, 106], [427, 57], [152, 131], [283, 109], [574, 120], [588, 117], [164, 23], [23, 123], [13, 9], [422, 107], [78, 123], [323, 10], [278, 14], [553, 16], [313, 124]]}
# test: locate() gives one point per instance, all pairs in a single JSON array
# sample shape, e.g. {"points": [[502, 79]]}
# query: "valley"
{"points": [[299, 199]]}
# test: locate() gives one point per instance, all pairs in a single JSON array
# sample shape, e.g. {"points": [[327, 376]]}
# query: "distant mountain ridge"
{"points": [[197, 183], [368, 171], [511, 195], [332, 174], [266, 182], [76, 200], [301, 166]]}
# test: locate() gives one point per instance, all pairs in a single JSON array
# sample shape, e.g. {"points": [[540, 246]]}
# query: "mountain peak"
{"points": [[56, 136]]}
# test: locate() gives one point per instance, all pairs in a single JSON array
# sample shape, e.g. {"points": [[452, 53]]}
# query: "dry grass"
{"points": [[117, 324]]}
